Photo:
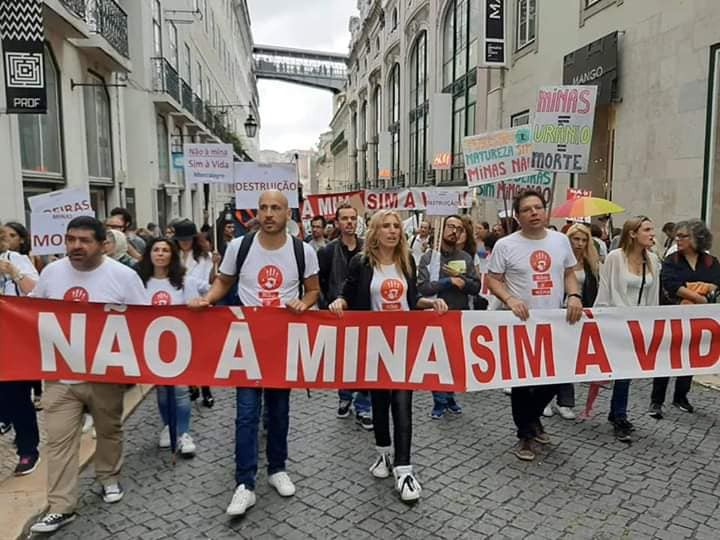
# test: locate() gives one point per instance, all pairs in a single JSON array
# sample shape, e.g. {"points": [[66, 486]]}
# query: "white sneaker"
{"points": [[381, 468], [282, 483], [186, 445], [164, 440], [242, 499], [548, 412], [566, 412], [406, 484], [112, 493], [88, 423]]}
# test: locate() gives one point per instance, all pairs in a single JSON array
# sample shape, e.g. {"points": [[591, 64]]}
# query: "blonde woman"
{"points": [[586, 273], [384, 278], [629, 277]]}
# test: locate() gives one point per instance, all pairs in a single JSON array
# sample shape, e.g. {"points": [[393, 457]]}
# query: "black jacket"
{"points": [[356, 290], [676, 273], [590, 286]]}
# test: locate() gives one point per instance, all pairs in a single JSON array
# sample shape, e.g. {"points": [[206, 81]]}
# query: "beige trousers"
{"points": [[64, 406]]}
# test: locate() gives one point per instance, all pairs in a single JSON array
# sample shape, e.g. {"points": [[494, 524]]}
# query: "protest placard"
{"points": [[62, 201], [326, 203], [251, 179], [440, 202], [508, 189], [412, 199], [500, 155], [50, 215], [208, 163], [563, 127]]}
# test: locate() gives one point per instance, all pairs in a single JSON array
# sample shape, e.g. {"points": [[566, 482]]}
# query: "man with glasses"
{"points": [[533, 269], [449, 275], [121, 220]]}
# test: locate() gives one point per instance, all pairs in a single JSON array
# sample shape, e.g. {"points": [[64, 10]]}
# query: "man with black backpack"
{"points": [[273, 269]]}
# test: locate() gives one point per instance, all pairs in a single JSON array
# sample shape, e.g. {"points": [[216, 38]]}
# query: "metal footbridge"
{"points": [[327, 71]]}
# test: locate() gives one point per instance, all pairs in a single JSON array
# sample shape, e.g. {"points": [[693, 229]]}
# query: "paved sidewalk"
{"points": [[585, 485]]}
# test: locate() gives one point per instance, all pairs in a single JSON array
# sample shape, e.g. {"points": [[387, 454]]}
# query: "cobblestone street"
{"points": [[585, 485]]}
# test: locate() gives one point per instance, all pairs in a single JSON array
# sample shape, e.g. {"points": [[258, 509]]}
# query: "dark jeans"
{"points": [[566, 395], [18, 409], [400, 403], [37, 388], [619, 400], [248, 402], [362, 399], [682, 388], [528, 403]]}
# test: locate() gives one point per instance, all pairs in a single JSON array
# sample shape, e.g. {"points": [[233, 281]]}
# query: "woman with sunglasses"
{"points": [[384, 278], [630, 277], [167, 284], [689, 276]]}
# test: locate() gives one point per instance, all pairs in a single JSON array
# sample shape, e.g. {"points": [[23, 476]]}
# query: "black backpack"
{"points": [[298, 249]]}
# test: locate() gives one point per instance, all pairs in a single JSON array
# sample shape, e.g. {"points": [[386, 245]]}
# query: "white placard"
{"points": [[441, 202], [63, 201], [208, 163], [498, 155], [251, 179], [48, 231], [563, 128]]}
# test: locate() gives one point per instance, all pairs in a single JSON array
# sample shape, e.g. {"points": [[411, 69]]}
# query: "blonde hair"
{"points": [[401, 257], [627, 242], [590, 255]]}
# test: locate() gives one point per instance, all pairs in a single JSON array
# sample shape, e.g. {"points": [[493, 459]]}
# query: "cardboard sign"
{"points": [[441, 202], [563, 128], [208, 163], [251, 179], [496, 156]]}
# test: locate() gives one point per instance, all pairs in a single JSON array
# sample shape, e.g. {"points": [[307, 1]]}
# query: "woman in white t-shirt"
{"points": [[383, 278], [629, 277], [167, 283]]}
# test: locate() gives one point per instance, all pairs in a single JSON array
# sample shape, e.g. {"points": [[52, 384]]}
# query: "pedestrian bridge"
{"points": [[327, 71]]}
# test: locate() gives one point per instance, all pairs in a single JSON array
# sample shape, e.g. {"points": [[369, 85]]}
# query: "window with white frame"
{"points": [[188, 66], [157, 28], [173, 45], [97, 129], [520, 119], [526, 19]]}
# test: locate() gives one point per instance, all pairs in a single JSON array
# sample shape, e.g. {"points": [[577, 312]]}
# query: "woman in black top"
{"points": [[383, 278], [689, 276]]}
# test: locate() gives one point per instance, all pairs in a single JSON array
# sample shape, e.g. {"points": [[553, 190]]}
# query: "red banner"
{"points": [[325, 205], [273, 348]]}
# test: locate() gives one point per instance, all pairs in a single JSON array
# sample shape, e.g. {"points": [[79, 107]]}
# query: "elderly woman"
{"points": [[689, 276], [116, 247]]}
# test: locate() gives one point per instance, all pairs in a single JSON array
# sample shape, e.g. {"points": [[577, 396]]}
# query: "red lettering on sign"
{"points": [[483, 352], [646, 357], [676, 331], [590, 337], [543, 350], [697, 328]]}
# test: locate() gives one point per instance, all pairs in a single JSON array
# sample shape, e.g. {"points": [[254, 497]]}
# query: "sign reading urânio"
{"points": [[596, 64], [21, 31]]}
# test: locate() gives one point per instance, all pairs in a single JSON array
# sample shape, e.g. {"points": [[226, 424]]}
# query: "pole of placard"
{"points": [[506, 220]]}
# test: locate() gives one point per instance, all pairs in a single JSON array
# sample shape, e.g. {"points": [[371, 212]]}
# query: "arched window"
{"points": [[460, 38], [40, 134], [377, 124], [418, 110], [394, 127]]}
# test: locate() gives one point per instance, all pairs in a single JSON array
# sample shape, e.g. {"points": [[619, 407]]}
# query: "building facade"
{"points": [[655, 143], [128, 82]]}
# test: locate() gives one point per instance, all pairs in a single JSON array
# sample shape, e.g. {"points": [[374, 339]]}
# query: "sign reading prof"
{"points": [[208, 163], [563, 127]]}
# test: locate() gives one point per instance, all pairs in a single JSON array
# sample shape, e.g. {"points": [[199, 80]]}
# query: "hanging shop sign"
{"points": [[494, 45], [595, 64]]}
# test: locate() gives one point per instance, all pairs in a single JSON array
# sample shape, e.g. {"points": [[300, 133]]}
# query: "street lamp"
{"points": [[251, 126]]}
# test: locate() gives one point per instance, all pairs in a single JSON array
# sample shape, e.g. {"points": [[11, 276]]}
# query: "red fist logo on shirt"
{"points": [[391, 290], [540, 261], [160, 298], [76, 294], [270, 278]]}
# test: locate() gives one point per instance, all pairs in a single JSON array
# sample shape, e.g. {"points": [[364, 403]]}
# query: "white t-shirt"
{"points": [[200, 270], [109, 283], [160, 292], [388, 289], [534, 269], [24, 265], [268, 277], [418, 246]]}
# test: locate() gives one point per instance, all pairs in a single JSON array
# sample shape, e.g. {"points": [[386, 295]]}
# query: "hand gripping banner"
{"points": [[273, 348]]}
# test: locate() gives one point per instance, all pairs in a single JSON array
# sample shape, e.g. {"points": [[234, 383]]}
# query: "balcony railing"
{"points": [[165, 78], [76, 6], [187, 97], [108, 19]]}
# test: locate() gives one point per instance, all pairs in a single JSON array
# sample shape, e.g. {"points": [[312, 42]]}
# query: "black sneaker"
{"points": [[194, 393], [365, 420], [684, 405], [344, 408], [4, 428], [209, 402], [655, 411], [622, 429], [52, 522], [27, 465]]}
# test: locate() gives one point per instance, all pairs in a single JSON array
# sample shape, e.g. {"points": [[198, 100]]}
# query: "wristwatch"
{"points": [[576, 295]]}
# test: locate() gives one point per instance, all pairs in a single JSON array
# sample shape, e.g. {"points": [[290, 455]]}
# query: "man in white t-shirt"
{"points": [[268, 276], [533, 269], [85, 275], [419, 243]]}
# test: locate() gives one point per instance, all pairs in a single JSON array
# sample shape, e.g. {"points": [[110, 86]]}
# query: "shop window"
{"points": [[97, 129], [40, 134]]}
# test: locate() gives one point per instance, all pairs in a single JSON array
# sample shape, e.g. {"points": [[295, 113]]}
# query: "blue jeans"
{"points": [[362, 400], [248, 402], [183, 407], [442, 398], [619, 400]]}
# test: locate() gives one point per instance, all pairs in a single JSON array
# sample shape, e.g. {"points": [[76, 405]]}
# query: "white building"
{"points": [[656, 148], [128, 81]]}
